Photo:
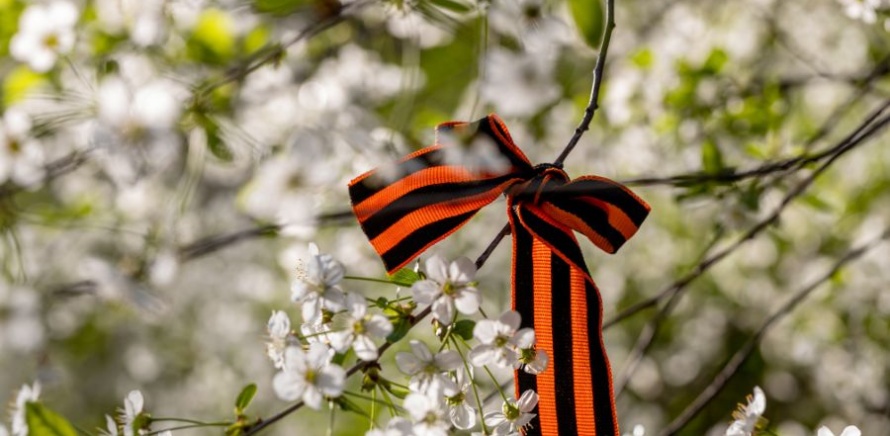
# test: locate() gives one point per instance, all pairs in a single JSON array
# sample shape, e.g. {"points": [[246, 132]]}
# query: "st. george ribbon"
{"points": [[429, 194]]}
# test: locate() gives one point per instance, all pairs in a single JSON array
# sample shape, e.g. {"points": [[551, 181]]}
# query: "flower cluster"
{"points": [[442, 390]]}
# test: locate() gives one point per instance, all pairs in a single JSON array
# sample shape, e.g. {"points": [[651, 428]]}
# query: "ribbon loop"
{"points": [[429, 194]]}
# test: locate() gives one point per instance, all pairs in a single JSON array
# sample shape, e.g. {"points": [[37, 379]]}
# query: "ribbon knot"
{"points": [[432, 192]]}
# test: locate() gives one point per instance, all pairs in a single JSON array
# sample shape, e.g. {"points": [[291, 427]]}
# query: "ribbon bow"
{"points": [[432, 192]]}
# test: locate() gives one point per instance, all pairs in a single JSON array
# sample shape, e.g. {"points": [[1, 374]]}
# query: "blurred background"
{"points": [[164, 165]]}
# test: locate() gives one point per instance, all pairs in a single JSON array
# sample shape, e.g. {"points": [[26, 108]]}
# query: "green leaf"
{"points": [[452, 5], [589, 19], [405, 277], [44, 422], [711, 157], [643, 59], [400, 328], [464, 328], [19, 83], [213, 37], [280, 7], [245, 397]]}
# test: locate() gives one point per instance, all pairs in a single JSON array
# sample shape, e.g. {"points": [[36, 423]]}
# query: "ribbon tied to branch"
{"points": [[406, 208]]}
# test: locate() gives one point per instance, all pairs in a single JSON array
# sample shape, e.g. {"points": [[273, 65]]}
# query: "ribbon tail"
{"points": [[554, 293]]}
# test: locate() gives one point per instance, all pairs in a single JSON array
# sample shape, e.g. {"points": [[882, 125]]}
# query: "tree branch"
{"points": [[735, 363]]}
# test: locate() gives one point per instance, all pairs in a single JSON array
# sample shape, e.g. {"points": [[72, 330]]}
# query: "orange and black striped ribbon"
{"points": [[430, 193]]}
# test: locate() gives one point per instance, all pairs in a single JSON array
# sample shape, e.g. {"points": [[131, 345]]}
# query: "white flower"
{"points": [[27, 394], [447, 287], [747, 417], [110, 427], [132, 107], [500, 342], [865, 10], [514, 415], [519, 85], [45, 31], [360, 329], [21, 156], [317, 332], [427, 370], [529, 358], [279, 332], [133, 404], [144, 19], [397, 426], [318, 288], [461, 402], [428, 413], [309, 375], [850, 430], [638, 430]]}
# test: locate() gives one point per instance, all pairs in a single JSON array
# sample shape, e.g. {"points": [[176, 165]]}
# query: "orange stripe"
{"points": [[584, 404], [422, 151], [430, 214], [617, 218], [544, 336], [572, 221], [617, 185], [419, 179]]}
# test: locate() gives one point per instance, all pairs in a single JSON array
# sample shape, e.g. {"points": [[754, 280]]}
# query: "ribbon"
{"points": [[432, 192]]}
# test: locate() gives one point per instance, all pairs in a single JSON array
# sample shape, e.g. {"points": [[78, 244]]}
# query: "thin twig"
{"points": [[739, 358], [593, 103], [868, 128]]}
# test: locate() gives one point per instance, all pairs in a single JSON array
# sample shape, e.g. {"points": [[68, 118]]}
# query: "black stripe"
{"points": [[608, 192], [561, 315], [560, 240], [424, 196], [487, 126], [599, 364], [595, 218], [409, 247], [375, 182], [523, 291]]}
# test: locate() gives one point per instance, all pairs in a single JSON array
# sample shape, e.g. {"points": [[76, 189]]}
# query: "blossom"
{"points": [[309, 375], [317, 332], [318, 287], [514, 415], [865, 10], [427, 412], [110, 427], [21, 156], [426, 370], [448, 287], [27, 394], [529, 358], [850, 430], [279, 332], [461, 404], [397, 426], [638, 430], [133, 404], [360, 329], [747, 417], [500, 342], [45, 31]]}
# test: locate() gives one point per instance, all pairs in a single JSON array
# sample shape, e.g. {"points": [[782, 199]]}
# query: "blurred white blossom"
{"points": [[309, 375], [748, 417], [514, 415], [278, 328], [359, 328], [448, 286], [21, 155], [864, 10], [143, 20], [518, 84], [27, 394], [45, 31], [850, 430], [133, 404], [397, 426]]}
